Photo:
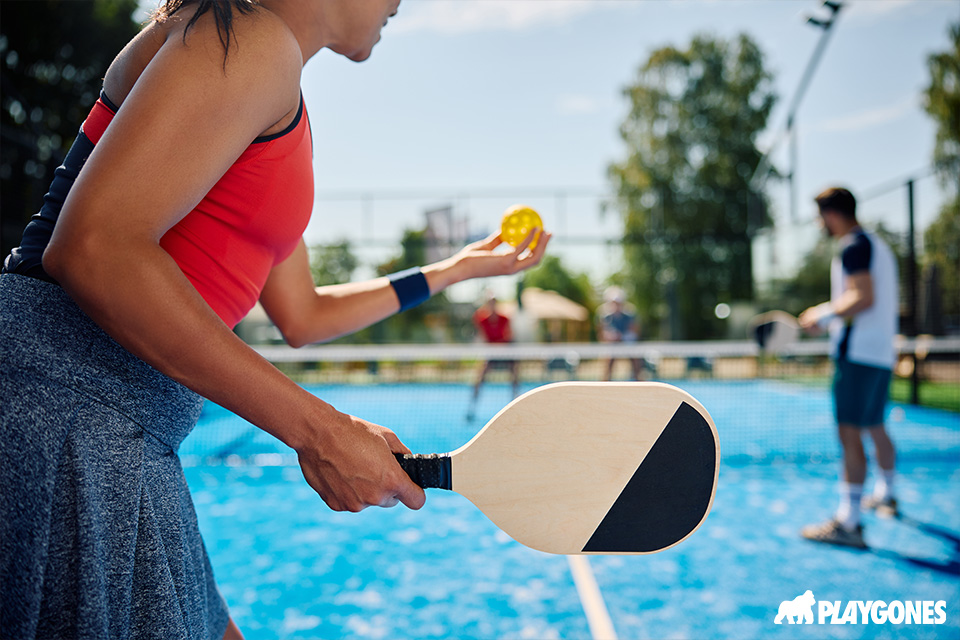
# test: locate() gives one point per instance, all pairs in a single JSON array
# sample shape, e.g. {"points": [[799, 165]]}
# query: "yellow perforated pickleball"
{"points": [[517, 222]]}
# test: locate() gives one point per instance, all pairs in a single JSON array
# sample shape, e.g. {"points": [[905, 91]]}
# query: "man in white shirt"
{"points": [[862, 318]]}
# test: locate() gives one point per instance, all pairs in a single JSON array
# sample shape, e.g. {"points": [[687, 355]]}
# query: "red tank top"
{"points": [[495, 327], [251, 220]]}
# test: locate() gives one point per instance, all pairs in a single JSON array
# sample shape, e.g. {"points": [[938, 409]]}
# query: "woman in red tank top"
{"points": [[186, 207]]}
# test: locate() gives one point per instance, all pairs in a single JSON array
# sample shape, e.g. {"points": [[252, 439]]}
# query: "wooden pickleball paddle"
{"points": [[587, 467]]}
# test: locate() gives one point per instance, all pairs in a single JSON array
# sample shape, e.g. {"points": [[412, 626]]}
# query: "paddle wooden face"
{"points": [[593, 467]]}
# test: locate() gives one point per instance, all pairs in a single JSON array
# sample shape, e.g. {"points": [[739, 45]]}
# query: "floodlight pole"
{"points": [[826, 25], [761, 172]]}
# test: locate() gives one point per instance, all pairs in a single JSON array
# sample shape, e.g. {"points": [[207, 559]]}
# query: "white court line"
{"points": [[601, 627]]}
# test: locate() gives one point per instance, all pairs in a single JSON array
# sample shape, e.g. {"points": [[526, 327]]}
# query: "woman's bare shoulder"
{"points": [[260, 48], [258, 43]]}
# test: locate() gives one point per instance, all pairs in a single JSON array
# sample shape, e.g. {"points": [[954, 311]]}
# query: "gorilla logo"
{"points": [[799, 610]]}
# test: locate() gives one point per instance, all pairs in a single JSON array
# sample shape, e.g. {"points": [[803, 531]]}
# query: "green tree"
{"points": [[691, 133], [332, 263], [53, 54], [942, 237], [943, 103], [942, 252]]}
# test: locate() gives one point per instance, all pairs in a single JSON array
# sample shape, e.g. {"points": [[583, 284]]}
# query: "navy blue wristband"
{"points": [[410, 286]]}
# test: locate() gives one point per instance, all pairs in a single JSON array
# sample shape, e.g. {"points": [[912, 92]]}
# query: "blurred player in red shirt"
{"points": [[495, 328]]}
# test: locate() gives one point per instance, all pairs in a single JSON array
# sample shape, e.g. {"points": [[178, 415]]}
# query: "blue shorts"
{"points": [[860, 393]]}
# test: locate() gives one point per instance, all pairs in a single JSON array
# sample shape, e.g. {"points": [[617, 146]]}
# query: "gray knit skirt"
{"points": [[98, 534]]}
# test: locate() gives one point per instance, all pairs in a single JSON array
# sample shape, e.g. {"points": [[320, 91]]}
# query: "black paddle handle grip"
{"points": [[430, 471]]}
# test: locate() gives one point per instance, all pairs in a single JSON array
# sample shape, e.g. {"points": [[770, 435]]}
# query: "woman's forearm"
{"points": [[139, 296], [306, 315], [342, 309]]}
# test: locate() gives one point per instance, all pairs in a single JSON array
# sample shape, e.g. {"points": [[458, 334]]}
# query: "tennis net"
{"points": [[767, 407]]}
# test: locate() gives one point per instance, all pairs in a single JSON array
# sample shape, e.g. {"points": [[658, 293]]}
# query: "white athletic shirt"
{"points": [[867, 338]]}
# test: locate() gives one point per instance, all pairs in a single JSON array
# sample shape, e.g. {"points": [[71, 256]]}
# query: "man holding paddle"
{"points": [[861, 318]]}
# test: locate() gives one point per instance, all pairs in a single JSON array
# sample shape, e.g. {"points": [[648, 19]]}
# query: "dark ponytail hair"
{"points": [[222, 11]]}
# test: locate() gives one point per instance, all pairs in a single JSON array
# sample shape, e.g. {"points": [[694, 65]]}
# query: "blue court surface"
{"points": [[290, 568]]}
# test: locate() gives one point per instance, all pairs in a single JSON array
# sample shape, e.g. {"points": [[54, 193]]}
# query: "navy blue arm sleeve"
{"points": [[856, 257]]}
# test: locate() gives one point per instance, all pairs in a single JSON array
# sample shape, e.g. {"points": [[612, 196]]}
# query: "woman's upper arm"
{"points": [[188, 117], [289, 293], [306, 314]]}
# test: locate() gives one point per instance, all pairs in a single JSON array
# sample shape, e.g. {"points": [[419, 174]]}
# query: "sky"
{"points": [[480, 104]]}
